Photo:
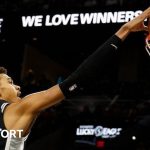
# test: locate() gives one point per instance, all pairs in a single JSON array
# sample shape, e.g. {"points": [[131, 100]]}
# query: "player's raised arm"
{"points": [[135, 25], [87, 70]]}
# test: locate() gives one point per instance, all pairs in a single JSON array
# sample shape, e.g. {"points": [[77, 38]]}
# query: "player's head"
{"points": [[8, 90]]}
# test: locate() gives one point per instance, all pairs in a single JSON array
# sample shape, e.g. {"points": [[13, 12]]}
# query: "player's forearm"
{"points": [[123, 32], [91, 68]]}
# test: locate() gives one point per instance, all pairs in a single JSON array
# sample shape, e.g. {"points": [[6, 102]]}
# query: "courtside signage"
{"points": [[98, 131]]}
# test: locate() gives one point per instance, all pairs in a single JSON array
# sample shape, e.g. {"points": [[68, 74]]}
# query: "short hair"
{"points": [[3, 70]]}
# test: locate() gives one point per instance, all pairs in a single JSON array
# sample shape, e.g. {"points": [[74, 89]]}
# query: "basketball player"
{"points": [[17, 115]]}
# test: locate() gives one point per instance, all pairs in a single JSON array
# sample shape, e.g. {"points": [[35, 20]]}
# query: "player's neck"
{"points": [[12, 100]]}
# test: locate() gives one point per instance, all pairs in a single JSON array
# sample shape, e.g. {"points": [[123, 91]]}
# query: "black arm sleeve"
{"points": [[90, 67]]}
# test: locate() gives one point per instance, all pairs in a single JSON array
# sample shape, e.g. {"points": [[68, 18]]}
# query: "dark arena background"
{"points": [[112, 115]]}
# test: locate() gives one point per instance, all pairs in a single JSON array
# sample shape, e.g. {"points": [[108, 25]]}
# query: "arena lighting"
{"points": [[79, 18], [133, 138], [1, 20], [34, 39], [100, 144]]}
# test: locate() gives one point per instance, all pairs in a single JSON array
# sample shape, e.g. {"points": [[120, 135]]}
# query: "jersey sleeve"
{"points": [[3, 105]]}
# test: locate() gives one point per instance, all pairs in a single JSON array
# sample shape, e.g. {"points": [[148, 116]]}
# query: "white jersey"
{"points": [[15, 143], [12, 143]]}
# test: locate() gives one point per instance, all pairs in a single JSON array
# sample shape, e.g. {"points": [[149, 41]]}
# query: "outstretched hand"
{"points": [[137, 24]]}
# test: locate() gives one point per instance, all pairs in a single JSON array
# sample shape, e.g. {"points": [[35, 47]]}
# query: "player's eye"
{"points": [[10, 81]]}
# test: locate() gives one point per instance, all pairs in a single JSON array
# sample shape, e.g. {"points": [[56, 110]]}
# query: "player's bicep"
{"points": [[39, 101]]}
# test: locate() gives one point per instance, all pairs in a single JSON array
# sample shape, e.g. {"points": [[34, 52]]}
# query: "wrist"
{"points": [[123, 32]]}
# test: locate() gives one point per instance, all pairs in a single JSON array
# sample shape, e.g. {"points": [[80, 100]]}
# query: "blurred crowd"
{"points": [[31, 5]]}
